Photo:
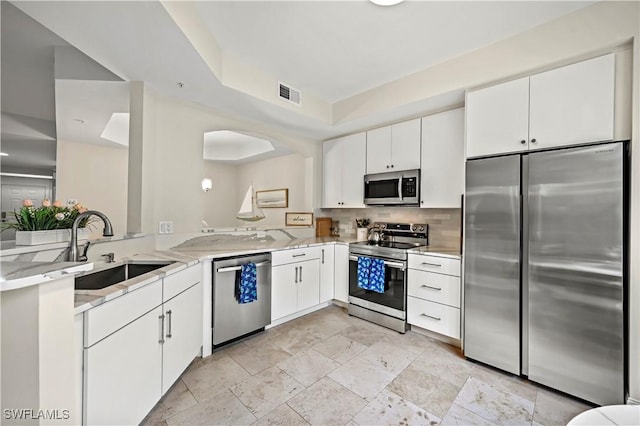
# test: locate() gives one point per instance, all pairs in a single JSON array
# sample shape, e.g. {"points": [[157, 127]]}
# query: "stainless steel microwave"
{"points": [[392, 188]]}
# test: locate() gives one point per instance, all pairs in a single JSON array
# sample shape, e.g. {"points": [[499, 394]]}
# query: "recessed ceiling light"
{"points": [[386, 2], [3, 154]]}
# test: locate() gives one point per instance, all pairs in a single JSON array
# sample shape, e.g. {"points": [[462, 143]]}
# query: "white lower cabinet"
{"points": [[341, 273], [294, 287], [183, 334], [327, 266], [122, 380], [433, 294], [128, 369]]}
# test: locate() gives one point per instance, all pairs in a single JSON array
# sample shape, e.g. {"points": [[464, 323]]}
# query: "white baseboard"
{"points": [[297, 315]]}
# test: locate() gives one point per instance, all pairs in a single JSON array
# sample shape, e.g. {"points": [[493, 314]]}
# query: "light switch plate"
{"points": [[166, 227]]}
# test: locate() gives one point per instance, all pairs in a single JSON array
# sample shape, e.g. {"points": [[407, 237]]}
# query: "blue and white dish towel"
{"points": [[246, 284], [371, 274]]}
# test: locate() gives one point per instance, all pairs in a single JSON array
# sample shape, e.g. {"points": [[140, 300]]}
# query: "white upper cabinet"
{"points": [[395, 147], [442, 173], [498, 118], [573, 104], [565, 106], [343, 171]]}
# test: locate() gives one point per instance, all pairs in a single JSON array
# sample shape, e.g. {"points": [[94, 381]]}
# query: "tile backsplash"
{"points": [[444, 224]]}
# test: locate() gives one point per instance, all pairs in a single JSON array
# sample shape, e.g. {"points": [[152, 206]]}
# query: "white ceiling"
{"points": [[337, 49], [331, 50]]}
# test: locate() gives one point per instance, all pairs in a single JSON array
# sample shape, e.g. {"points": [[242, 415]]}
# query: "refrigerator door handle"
{"points": [[524, 268]]}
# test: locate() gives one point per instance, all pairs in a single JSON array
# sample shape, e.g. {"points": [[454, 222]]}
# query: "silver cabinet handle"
{"points": [[323, 256], [427, 315], [237, 268], [428, 286], [296, 280], [299, 255], [300, 273], [432, 264], [169, 324], [161, 318]]}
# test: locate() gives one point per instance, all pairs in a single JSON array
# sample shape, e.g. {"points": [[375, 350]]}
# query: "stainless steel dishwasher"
{"points": [[232, 319]]}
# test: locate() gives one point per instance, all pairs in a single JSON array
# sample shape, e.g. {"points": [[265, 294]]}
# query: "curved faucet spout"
{"points": [[73, 248]]}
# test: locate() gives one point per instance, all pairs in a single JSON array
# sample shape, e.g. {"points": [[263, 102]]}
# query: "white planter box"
{"points": [[31, 238]]}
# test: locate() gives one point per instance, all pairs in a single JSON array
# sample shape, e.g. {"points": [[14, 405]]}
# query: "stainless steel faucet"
{"points": [[73, 249]]}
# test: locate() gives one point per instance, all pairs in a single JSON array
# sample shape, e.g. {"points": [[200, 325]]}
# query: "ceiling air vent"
{"points": [[290, 94]]}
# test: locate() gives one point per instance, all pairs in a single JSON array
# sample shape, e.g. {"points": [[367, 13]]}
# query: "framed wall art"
{"points": [[272, 198], [298, 219]]}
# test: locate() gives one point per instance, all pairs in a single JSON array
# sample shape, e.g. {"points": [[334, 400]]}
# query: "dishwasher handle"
{"points": [[237, 268]]}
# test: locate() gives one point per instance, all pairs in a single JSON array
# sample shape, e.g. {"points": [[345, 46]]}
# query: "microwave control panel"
{"points": [[409, 187]]}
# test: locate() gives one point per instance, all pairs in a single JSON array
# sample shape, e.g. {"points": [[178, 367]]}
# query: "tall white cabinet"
{"points": [[394, 147], [564, 106], [442, 172], [343, 171]]}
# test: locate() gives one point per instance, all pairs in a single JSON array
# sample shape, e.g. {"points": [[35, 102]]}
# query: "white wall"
{"points": [[288, 172], [96, 176], [172, 137], [221, 202]]}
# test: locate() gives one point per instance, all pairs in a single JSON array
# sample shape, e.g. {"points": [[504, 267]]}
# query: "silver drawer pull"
{"points": [[299, 255], [432, 264], [428, 286], [427, 315]]}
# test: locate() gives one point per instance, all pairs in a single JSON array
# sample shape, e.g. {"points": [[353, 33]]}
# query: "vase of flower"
{"points": [[47, 224]]}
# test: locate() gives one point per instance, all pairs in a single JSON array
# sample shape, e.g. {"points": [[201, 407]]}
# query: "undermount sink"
{"points": [[107, 277]]}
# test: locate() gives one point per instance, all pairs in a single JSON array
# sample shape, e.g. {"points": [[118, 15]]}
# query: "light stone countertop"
{"points": [[449, 252], [189, 253], [16, 275]]}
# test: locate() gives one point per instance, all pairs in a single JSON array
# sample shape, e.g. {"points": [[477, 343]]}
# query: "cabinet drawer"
{"points": [[283, 257], [441, 265], [103, 320], [434, 316], [180, 281], [434, 287]]}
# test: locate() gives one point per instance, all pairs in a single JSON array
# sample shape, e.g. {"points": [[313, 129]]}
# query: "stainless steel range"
{"points": [[389, 307]]}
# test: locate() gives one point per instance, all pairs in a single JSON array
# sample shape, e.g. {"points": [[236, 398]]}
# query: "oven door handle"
{"points": [[400, 188], [396, 265]]}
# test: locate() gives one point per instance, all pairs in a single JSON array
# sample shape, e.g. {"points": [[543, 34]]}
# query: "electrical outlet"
{"points": [[166, 227]]}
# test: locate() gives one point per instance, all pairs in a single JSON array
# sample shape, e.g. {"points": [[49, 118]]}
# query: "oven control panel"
{"points": [[415, 230]]}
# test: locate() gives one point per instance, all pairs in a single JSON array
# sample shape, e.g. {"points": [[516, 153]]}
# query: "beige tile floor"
{"points": [[328, 368]]}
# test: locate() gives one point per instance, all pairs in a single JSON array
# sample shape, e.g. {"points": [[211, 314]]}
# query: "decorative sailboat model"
{"points": [[249, 210]]}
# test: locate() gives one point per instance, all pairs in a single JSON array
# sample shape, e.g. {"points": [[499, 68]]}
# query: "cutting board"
{"points": [[323, 227]]}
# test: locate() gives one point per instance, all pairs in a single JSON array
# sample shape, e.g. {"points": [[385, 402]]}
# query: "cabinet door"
{"points": [[284, 290], [405, 145], [326, 272], [354, 149], [341, 273], [123, 373], [498, 118], [308, 284], [573, 104], [183, 334], [332, 173], [442, 173], [379, 150]]}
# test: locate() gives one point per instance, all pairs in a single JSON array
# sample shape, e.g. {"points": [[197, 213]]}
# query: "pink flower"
{"points": [[78, 206], [82, 209], [59, 216], [57, 203], [27, 203], [46, 203]]}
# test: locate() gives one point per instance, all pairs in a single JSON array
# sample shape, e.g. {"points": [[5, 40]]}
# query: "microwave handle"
{"points": [[400, 188]]}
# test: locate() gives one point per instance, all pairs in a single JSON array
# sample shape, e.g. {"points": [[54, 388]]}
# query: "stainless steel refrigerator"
{"points": [[545, 279]]}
